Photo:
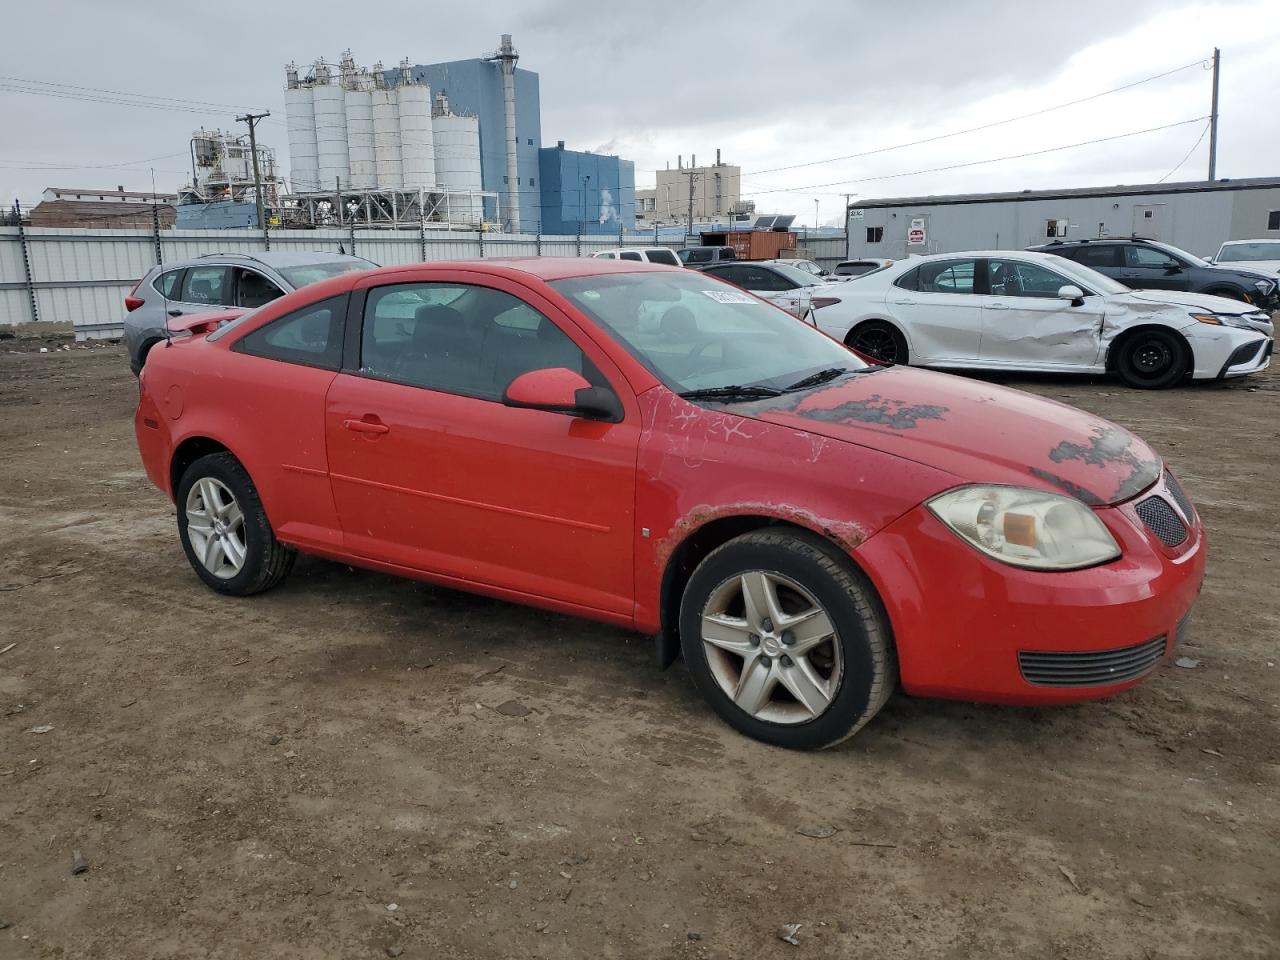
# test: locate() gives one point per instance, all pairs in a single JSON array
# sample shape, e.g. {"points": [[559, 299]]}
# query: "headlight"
{"points": [[1223, 320], [1026, 528], [1265, 287]]}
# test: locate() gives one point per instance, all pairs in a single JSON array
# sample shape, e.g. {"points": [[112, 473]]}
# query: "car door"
{"points": [[205, 287], [433, 473], [1025, 324], [937, 306], [1149, 268]]}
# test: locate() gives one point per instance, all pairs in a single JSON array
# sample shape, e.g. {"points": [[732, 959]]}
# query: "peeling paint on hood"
{"points": [[977, 431]]}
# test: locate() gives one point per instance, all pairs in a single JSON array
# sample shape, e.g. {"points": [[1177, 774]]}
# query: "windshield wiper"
{"points": [[822, 376], [733, 391]]}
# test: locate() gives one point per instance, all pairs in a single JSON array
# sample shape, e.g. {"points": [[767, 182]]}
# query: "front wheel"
{"points": [[880, 340], [787, 640], [1152, 360], [224, 529]]}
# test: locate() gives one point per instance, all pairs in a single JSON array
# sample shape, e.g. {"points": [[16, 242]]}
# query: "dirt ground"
{"points": [[334, 769]]}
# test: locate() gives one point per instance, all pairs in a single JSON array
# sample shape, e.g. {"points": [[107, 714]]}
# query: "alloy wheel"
{"points": [[215, 527], [772, 647], [877, 343]]}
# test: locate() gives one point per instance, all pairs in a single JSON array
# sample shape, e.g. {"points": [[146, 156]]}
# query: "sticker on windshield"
{"points": [[728, 296]]}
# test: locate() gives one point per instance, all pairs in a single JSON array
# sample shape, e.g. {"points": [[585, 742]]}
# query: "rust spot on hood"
{"points": [[885, 412], [1108, 448]]}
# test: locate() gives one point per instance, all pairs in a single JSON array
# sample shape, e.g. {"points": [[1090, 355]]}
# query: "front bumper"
{"points": [[1248, 358], [968, 627]]}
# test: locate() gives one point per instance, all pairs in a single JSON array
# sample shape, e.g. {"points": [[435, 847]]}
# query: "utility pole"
{"points": [[847, 228], [693, 177], [1213, 119], [252, 120]]}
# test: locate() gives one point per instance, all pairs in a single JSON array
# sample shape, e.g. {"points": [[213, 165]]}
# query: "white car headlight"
{"points": [[1224, 320], [1026, 528]]}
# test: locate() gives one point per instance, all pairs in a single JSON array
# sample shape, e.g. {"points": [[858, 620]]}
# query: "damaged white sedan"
{"points": [[1008, 310]]}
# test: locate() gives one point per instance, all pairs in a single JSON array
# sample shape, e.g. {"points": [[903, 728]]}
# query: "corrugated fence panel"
{"points": [[10, 257], [104, 303], [14, 307]]}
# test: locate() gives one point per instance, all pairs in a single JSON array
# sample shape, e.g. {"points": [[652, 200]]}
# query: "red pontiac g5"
{"points": [[654, 448]]}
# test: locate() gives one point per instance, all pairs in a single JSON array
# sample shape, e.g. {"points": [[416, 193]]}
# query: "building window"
{"points": [[1273, 220], [875, 234], [504, 179], [532, 182], [531, 141], [1055, 228]]}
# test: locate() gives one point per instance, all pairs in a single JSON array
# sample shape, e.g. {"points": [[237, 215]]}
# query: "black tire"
{"points": [[881, 340], [266, 560], [1230, 293], [869, 671], [1152, 359]]}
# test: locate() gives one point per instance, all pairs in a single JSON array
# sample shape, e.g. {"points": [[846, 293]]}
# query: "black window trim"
{"points": [[354, 336], [239, 344], [979, 277], [235, 285], [177, 284]]}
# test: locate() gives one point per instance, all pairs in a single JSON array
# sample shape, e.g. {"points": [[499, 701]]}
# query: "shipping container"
{"points": [[752, 244]]}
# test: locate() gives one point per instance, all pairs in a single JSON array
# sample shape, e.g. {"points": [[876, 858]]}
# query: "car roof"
{"points": [[275, 259], [1236, 243], [541, 268]]}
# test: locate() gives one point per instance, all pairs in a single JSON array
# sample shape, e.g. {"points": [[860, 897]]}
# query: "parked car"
{"points": [[1007, 310], [811, 267], [659, 450], [1261, 256], [640, 255], [794, 290], [1151, 265], [699, 257], [215, 281], [858, 268]]}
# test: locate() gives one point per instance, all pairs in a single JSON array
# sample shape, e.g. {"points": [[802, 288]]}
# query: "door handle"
{"points": [[905, 303], [997, 306], [364, 426], [175, 313]]}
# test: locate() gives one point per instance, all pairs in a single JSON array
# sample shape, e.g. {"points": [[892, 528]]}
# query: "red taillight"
{"points": [[820, 302], [132, 303]]}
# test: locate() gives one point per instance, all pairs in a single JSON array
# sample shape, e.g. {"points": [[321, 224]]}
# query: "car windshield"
{"points": [[1087, 277], [1249, 252], [695, 332], [1189, 257], [305, 274]]}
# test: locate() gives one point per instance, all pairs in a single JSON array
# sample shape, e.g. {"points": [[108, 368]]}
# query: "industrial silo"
{"points": [[359, 106], [329, 101], [386, 134], [303, 170], [417, 148], [457, 142]]}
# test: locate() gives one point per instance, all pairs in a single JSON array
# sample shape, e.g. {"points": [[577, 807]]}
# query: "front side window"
{"points": [[946, 276], [311, 336], [208, 285], [459, 338], [696, 255], [662, 255], [253, 289], [1016, 278], [1150, 258], [759, 278], [695, 332]]}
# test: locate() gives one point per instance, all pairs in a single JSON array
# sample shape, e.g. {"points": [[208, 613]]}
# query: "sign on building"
{"points": [[916, 235]]}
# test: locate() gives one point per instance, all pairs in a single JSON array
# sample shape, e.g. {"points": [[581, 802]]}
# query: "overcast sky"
{"points": [[771, 84]]}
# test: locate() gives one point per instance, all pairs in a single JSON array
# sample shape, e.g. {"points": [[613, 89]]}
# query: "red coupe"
{"points": [[655, 448]]}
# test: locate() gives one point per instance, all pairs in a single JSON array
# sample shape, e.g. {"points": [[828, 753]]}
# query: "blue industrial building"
{"points": [[586, 192]]}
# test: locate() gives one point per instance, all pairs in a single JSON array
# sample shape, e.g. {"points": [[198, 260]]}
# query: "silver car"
{"points": [[219, 281]]}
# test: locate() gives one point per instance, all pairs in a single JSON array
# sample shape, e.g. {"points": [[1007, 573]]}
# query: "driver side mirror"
{"points": [[561, 390], [1073, 293]]}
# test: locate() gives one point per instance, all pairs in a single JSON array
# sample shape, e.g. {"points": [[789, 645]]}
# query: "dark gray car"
{"points": [[219, 281], [1151, 265]]}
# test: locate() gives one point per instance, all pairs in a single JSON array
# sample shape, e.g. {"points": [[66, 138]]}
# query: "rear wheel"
{"points": [[879, 339], [1152, 359], [787, 639], [224, 529]]}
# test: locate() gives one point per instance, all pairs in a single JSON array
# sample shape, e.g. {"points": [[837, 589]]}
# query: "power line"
{"points": [[985, 126], [976, 163], [1199, 140], [90, 95], [119, 93]]}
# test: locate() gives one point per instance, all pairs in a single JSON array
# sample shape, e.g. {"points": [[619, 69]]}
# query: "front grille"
{"points": [[1096, 668], [1159, 517], [1179, 495]]}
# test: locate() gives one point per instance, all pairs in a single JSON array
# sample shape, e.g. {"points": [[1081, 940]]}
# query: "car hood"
{"points": [[1196, 301], [1264, 267], [976, 431]]}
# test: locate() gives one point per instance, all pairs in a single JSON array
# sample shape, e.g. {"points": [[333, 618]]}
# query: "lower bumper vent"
{"points": [[1097, 668]]}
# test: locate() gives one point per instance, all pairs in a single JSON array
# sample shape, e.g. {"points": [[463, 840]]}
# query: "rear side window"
{"points": [[697, 255], [909, 280], [949, 276], [630, 255], [1105, 255], [311, 336], [167, 284], [727, 253], [211, 285], [663, 255]]}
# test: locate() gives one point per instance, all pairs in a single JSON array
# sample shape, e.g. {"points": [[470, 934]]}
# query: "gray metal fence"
{"points": [[83, 275]]}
